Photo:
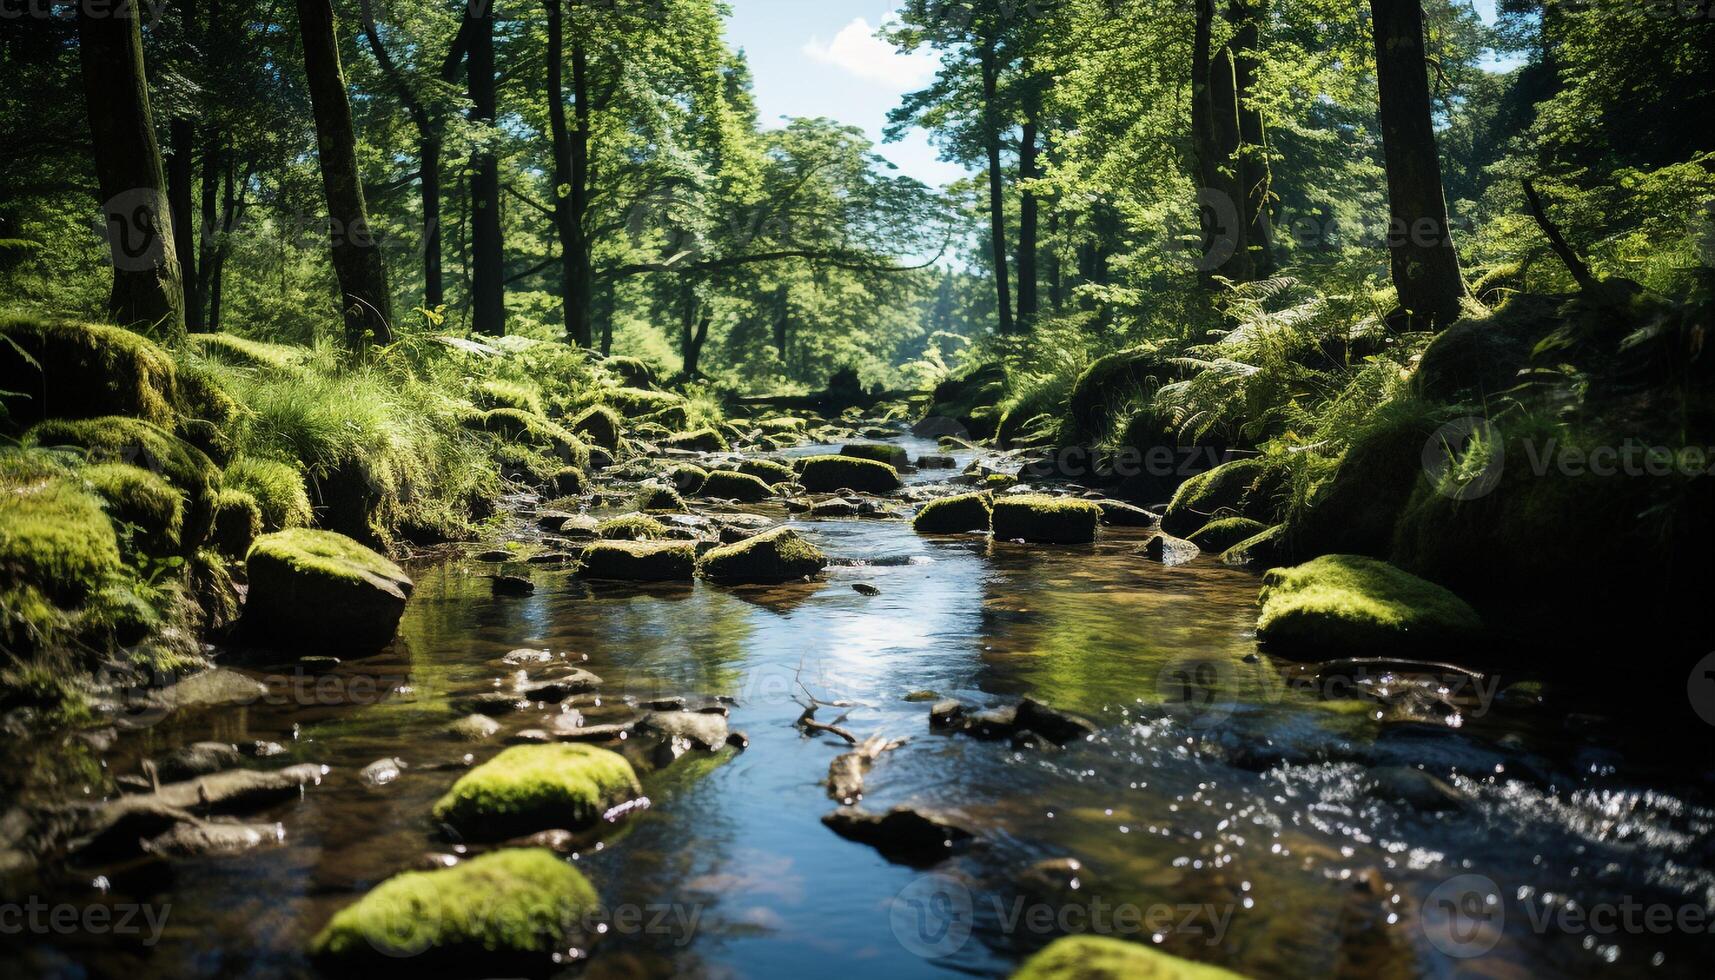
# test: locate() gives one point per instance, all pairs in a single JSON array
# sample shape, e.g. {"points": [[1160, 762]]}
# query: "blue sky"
{"points": [[820, 58]]}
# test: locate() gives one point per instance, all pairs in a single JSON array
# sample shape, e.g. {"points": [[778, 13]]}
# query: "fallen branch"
{"points": [[846, 773]]}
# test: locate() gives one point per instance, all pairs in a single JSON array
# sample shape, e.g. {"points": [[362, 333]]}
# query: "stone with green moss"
{"points": [[1355, 510], [505, 913], [1264, 550], [528, 465], [1239, 488], [567, 481], [727, 485], [55, 539], [779, 555], [783, 424], [527, 788], [998, 481], [322, 590], [767, 470], [599, 424], [501, 393], [128, 440], [661, 500], [1042, 519], [141, 499], [631, 527], [84, 370], [698, 440], [640, 561], [278, 488], [1105, 958], [1222, 533], [1351, 606], [237, 522], [520, 426], [827, 474], [955, 515], [881, 452]]}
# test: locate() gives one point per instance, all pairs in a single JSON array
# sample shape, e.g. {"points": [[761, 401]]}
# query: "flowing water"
{"points": [[1227, 809]]}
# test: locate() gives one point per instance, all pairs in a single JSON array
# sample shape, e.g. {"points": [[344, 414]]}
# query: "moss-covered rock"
{"points": [[1105, 958], [84, 370], [661, 500], [517, 425], [768, 471], [567, 481], [728, 485], [881, 452], [994, 482], [501, 393], [142, 499], [128, 440], [256, 355], [323, 590], [687, 478], [955, 515], [55, 539], [634, 403], [779, 555], [965, 404], [1240, 488], [1264, 550], [826, 474], [698, 440], [1222, 533], [784, 424], [631, 527], [1108, 386], [529, 788], [237, 522], [1045, 520], [1350, 606], [601, 425], [641, 561], [278, 488], [505, 913], [1477, 358], [633, 372], [527, 465], [1354, 511]]}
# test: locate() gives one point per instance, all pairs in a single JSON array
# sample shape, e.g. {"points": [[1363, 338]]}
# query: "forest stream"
{"points": [[1230, 808]]}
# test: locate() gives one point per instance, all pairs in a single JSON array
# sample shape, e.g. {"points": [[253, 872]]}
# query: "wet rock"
{"points": [[595, 733], [864, 588], [492, 703], [1045, 520], [1057, 726], [998, 722], [565, 722], [780, 555], [382, 771], [529, 736], [580, 527], [901, 834], [528, 788], [201, 838], [240, 790], [640, 561], [435, 861], [916, 697], [767, 470], [1118, 514], [834, 508], [1350, 606], [955, 515], [528, 658], [217, 688], [496, 557], [197, 759], [1169, 550], [936, 462], [576, 680], [559, 841], [947, 714], [513, 585], [829, 474], [474, 727], [1027, 741], [322, 590], [1414, 788], [706, 731], [729, 485], [553, 520], [1053, 877], [1261, 551], [553, 559], [892, 455]]}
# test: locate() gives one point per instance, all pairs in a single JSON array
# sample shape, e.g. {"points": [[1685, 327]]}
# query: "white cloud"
{"points": [[857, 50]]}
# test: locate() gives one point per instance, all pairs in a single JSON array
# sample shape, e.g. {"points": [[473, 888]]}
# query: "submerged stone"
{"points": [[779, 555], [322, 589], [528, 788], [1045, 520], [901, 834], [1347, 606]]}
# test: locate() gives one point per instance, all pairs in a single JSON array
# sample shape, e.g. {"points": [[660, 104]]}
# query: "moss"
{"points": [[1263, 550], [998, 481], [141, 499], [54, 538], [641, 561], [1478, 358], [767, 470], [322, 587], [601, 425], [700, 440], [784, 424], [84, 370], [687, 478], [1349, 605], [520, 426], [134, 441], [894, 456], [1045, 520], [728, 485], [661, 500], [826, 474], [527, 465], [500, 393], [567, 481], [778, 555], [1355, 510], [955, 515], [537, 787], [1223, 533], [277, 487], [207, 411], [633, 372], [254, 354], [503, 913], [237, 522], [631, 527], [1105, 958], [965, 403], [1240, 488], [636, 402]]}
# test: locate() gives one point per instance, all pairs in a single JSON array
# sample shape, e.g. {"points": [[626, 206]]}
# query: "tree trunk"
{"points": [[357, 263], [1056, 267], [1420, 241], [181, 170], [607, 304], [1257, 177], [147, 290], [571, 165], [214, 271], [488, 288], [782, 319], [1215, 137], [429, 187], [196, 299], [1028, 304], [997, 189]]}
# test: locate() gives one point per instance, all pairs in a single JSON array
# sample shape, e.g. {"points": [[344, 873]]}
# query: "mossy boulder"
{"points": [[528, 788], [1222, 533], [84, 370], [142, 499], [1352, 606], [1105, 958], [728, 485], [516, 425], [322, 590], [237, 523], [1478, 358], [779, 555], [55, 539], [277, 487], [1045, 520], [1355, 510], [1264, 550], [955, 515], [633, 372], [567, 481], [601, 425], [139, 443], [1108, 386], [826, 474], [634, 403], [1239, 488], [631, 527], [768, 471], [784, 424], [697, 440], [501, 393], [687, 478], [661, 500], [881, 452], [641, 561], [505, 913], [965, 404]]}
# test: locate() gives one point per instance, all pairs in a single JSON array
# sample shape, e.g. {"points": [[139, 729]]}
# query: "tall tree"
{"points": [[488, 258], [1420, 240], [571, 150], [147, 289], [1256, 177], [1029, 212], [357, 262], [1215, 135]]}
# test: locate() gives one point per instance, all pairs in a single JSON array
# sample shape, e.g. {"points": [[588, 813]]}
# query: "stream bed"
{"points": [[1232, 809]]}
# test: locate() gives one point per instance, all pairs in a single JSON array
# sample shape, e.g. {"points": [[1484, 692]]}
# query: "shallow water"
{"points": [[1224, 811]]}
